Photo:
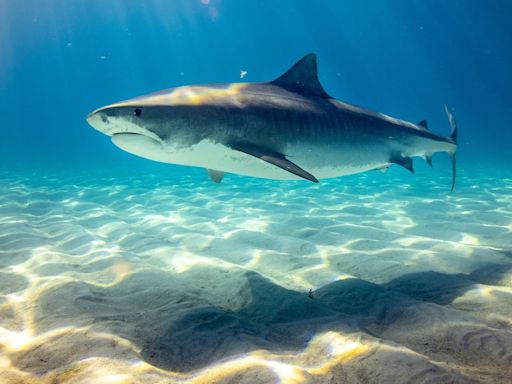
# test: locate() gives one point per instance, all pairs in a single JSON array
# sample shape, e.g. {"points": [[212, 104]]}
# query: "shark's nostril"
{"points": [[104, 119]]}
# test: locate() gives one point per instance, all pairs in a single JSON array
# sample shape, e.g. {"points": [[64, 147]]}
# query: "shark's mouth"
{"points": [[138, 144], [116, 126]]}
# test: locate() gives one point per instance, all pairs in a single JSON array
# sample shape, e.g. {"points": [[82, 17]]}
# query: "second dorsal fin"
{"points": [[303, 78]]}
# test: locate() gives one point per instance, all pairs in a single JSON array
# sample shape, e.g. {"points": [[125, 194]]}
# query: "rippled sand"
{"points": [[153, 278]]}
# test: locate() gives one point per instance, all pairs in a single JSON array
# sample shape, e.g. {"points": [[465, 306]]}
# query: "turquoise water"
{"points": [[115, 269]]}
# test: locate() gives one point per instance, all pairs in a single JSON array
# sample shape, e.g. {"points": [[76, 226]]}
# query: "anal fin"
{"points": [[277, 159]]}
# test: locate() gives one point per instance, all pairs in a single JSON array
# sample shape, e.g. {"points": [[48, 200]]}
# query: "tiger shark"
{"points": [[285, 129]]}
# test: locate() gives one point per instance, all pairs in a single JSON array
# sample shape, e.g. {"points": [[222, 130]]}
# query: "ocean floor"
{"points": [[154, 278]]}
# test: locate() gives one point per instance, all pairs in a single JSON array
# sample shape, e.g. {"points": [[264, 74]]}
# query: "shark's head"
{"points": [[165, 121], [131, 125], [141, 115], [145, 114]]}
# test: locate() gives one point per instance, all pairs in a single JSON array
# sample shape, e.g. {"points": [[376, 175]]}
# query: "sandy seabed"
{"points": [[147, 279]]}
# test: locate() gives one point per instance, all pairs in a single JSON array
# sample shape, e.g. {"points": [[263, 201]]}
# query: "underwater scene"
{"points": [[255, 191]]}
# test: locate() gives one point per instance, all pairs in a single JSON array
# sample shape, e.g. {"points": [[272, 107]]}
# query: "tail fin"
{"points": [[453, 137]]}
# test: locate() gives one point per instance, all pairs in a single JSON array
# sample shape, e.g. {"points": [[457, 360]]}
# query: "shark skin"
{"points": [[285, 129]]}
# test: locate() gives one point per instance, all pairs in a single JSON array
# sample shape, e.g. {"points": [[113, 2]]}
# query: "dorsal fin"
{"points": [[423, 124], [303, 78]]}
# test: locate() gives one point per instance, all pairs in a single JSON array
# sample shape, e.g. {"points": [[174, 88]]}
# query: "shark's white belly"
{"points": [[208, 154]]}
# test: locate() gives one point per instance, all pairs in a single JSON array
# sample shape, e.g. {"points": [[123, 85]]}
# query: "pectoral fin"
{"points": [[405, 162], [277, 159]]}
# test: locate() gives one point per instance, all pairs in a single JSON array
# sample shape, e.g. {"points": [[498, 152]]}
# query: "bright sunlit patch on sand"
{"points": [[14, 340], [343, 277], [70, 203], [228, 234], [489, 294], [255, 259], [185, 261], [117, 378], [121, 270], [288, 374], [340, 345], [15, 298], [400, 222], [408, 241], [18, 268], [257, 225], [4, 362], [341, 350], [171, 218], [469, 239], [182, 263]]}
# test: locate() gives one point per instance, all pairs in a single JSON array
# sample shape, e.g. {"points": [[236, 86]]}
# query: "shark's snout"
{"points": [[98, 120]]}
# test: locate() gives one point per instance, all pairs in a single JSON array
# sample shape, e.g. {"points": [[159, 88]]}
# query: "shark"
{"points": [[285, 129]]}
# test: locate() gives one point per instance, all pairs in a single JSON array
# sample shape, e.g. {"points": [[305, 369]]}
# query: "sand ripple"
{"points": [[154, 278]]}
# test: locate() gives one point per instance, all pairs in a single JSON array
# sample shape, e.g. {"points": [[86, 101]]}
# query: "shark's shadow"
{"points": [[181, 332]]}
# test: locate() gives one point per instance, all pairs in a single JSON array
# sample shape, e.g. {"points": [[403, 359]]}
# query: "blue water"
{"points": [[62, 59], [116, 269]]}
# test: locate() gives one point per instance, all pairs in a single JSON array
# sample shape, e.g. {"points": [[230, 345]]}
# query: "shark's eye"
{"points": [[137, 112]]}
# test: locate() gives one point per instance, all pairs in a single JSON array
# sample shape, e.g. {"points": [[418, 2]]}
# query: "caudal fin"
{"points": [[453, 137]]}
